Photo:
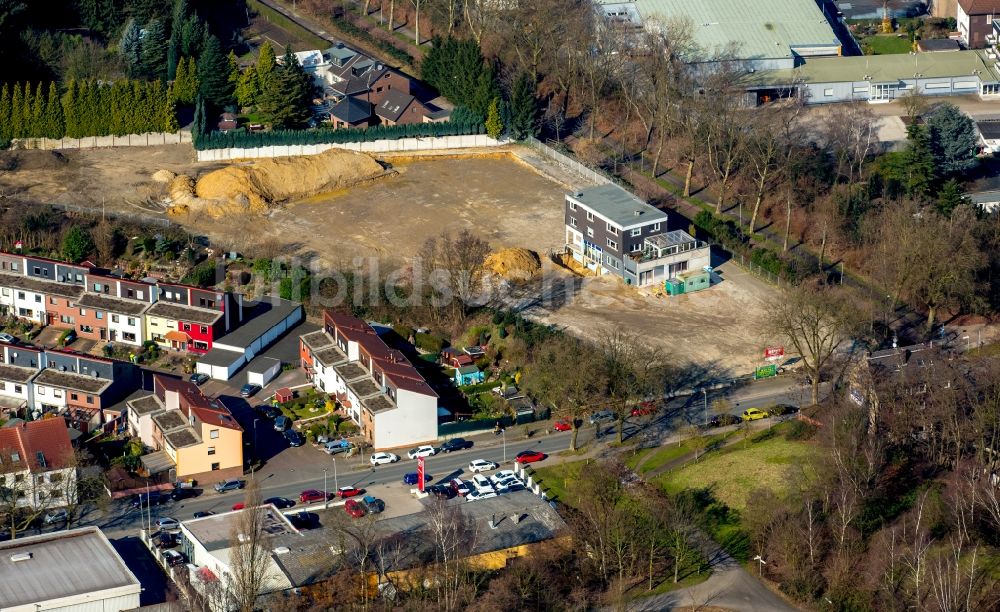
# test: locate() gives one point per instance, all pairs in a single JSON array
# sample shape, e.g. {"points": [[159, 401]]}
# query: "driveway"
{"points": [[730, 587]]}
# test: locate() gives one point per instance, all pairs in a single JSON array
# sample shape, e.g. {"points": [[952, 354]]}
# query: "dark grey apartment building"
{"points": [[611, 231]]}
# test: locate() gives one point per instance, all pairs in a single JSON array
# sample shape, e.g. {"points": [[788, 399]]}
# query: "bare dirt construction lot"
{"points": [[713, 333], [503, 200]]}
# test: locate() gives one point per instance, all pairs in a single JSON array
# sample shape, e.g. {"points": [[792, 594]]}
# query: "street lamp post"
{"points": [[255, 455], [503, 433], [335, 484], [326, 499]]}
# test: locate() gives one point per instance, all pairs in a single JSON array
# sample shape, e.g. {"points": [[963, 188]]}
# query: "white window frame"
{"points": [[590, 216], [636, 246], [637, 232], [572, 205], [612, 229], [612, 244], [656, 227], [590, 232]]}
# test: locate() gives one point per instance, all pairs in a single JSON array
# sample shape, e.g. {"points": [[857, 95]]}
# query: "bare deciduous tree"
{"points": [[250, 556], [814, 321]]}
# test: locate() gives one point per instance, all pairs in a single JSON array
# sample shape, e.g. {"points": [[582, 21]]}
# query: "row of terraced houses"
{"points": [[108, 308]]}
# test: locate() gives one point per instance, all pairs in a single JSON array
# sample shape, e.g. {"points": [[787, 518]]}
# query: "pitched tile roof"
{"points": [[191, 399], [979, 7], [394, 105], [352, 110], [35, 442]]}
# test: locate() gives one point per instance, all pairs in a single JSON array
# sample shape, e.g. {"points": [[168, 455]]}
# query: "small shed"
{"points": [[262, 370], [227, 121], [688, 282], [467, 375], [283, 395]]}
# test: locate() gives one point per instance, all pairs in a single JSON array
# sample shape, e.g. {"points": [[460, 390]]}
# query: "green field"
{"points": [[887, 44], [767, 461], [553, 479], [648, 460]]}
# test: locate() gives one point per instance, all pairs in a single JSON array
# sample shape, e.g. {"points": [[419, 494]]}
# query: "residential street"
{"points": [[289, 471]]}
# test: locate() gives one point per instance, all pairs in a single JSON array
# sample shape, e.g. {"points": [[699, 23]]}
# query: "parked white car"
{"points": [[422, 451], [481, 465], [384, 458], [477, 495], [167, 524], [481, 483], [503, 474]]}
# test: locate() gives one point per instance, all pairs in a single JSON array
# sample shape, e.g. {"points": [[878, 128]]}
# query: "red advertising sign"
{"points": [[420, 473], [774, 352]]}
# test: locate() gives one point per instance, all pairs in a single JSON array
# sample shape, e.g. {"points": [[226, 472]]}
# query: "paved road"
{"points": [[288, 471]]}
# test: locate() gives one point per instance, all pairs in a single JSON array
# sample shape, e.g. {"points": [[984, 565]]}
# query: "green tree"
{"points": [[265, 65], [523, 108], [130, 47], [953, 140], [168, 113], [186, 82], [77, 244], [54, 123], [285, 102], [154, 50], [16, 112], [248, 87], [71, 110], [5, 117], [213, 74], [36, 126], [234, 69], [193, 33], [494, 127], [950, 197], [919, 162]]}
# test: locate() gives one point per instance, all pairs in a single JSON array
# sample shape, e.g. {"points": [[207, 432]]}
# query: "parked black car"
{"points": [[280, 502], [294, 438], [456, 444], [441, 491], [198, 378], [165, 539], [784, 410], [722, 420], [268, 411], [155, 498], [183, 493], [304, 520]]}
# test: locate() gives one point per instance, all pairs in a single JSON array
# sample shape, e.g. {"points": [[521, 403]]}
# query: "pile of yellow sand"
{"points": [[573, 265], [256, 188], [514, 263], [163, 176]]}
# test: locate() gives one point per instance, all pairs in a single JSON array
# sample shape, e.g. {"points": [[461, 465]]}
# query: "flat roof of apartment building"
{"points": [[180, 312], [618, 205], [112, 304], [72, 380], [16, 374], [36, 285], [59, 565], [891, 68]]}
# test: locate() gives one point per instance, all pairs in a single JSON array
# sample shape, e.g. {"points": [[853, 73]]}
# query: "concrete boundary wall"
{"points": [[375, 146], [96, 142]]}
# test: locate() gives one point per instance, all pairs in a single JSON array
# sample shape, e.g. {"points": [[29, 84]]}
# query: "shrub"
{"points": [[347, 428], [250, 140], [403, 331], [799, 430], [429, 343]]}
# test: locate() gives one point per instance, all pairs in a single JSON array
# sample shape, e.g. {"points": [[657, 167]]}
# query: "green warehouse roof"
{"points": [[884, 68], [761, 28]]}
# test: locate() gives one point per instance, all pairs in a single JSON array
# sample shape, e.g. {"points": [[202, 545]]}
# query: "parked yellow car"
{"points": [[752, 414]]}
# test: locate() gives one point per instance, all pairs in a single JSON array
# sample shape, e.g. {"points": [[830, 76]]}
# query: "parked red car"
{"points": [[644, 409], [239, 506], [530, 456], [343, 492], [311, 495], [562, 425], [354, 508]]}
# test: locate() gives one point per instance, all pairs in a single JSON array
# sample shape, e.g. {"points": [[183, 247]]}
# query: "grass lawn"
{"points": [[650, 459], [887, 44], [553, 479], [288, 26], [767, 461]]}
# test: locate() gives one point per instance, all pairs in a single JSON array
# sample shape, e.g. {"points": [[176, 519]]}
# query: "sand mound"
{"points": [[163, 176], [258, 187], [514, 263]]}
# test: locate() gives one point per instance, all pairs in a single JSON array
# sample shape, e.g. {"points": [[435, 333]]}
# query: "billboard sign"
{"points": [[766, 371], [773, 353], [420, 474]]}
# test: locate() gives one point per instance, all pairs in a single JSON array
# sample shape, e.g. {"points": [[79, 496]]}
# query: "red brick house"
{"points": [[975, 21]]}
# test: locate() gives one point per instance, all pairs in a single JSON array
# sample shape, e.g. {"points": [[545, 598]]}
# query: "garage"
{"points": [[262, 370]]}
